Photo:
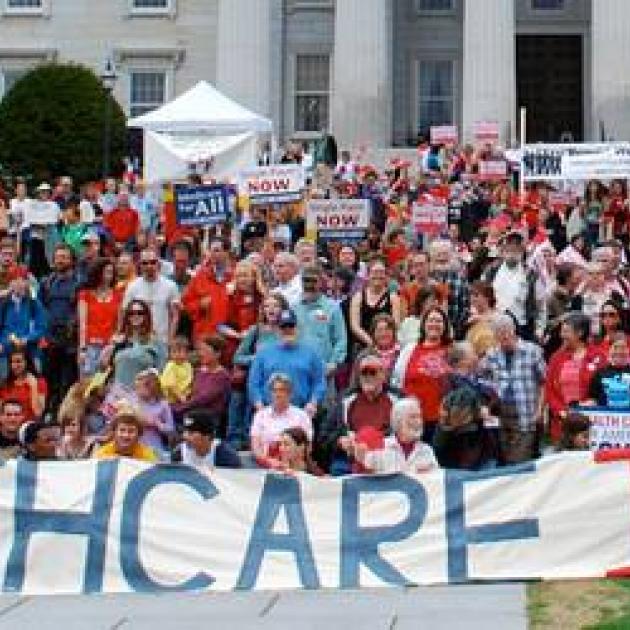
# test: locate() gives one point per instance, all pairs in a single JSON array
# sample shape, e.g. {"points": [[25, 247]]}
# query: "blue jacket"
{"points": [[323, 328], [25, 319], [299, 361]]}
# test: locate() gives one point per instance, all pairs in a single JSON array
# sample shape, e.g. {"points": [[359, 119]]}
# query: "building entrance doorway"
{"points": [[549, 83]]}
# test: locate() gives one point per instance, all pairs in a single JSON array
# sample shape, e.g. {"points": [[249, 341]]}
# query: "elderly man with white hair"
{"points": [[516, 368], [444, 271], [286, 273], [403, 451]]}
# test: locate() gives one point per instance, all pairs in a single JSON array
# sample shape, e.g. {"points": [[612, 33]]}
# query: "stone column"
{"points": [[362, 74], [489, 90], [610, 62], [247, 54]]}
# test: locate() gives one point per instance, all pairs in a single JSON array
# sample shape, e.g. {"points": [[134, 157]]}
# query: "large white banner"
{"points": [[123, 526], [557, 162]]}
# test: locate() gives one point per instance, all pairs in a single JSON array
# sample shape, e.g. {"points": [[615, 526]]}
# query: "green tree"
{"points": [[52, 123]]}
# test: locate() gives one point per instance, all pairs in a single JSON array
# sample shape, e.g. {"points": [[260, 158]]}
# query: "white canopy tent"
{"points": [[201, 129]]}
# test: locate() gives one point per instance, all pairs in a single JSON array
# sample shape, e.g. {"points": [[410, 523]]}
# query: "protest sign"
{"points": [[611, 164], [444, 134], [201, 205], [272, 184], [609, 427], [486, 132], [126, 526], [430, 217], [342, 220], [493, 170]]}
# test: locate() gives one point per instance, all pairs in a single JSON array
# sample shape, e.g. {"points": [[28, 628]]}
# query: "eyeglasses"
{"points": [[149, 262], [609, 315]]}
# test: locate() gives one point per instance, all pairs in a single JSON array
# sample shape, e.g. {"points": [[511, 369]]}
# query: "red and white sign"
{"points": [[272, 184], [444, 134], [486, 132], [493, 170], [559, 200], [430, 217]]}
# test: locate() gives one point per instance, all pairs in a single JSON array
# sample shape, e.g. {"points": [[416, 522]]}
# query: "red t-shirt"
{"points": [[123, 224], [425, 378], [243, 310], [102, 317], [22, 393]]}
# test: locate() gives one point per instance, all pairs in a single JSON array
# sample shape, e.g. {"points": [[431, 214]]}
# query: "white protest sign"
{"points": [[486, 132], [609, 427], [443, 134], [345, 220], [430, 217], [283, 183], [493, 170]]}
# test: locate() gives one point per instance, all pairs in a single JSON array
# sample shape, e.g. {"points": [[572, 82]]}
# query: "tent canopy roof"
{"points": [[202, 108]]}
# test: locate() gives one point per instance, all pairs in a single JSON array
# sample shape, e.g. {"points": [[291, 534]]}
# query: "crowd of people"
{"points": [[123, 334]]}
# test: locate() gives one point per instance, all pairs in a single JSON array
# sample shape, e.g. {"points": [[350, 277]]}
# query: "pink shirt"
{"points": [[570, 381], [269, 424]]}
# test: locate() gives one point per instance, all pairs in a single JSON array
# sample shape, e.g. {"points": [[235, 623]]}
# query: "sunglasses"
{"points": [[609, 315], [136, 312], [368, 371], [149, 262]]}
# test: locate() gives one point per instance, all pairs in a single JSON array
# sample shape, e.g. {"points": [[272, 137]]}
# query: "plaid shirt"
{"points": [[458, 298], [521, 384]]}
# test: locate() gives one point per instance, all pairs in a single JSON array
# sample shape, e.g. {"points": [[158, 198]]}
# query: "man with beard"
{"points": [[515, 289], [58, 294]]}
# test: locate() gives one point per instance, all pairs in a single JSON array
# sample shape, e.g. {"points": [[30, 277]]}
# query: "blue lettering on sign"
{"points": [[201, 205], [137, 491], [28, 521], [359, 545], [279, 493], [459, 536]]}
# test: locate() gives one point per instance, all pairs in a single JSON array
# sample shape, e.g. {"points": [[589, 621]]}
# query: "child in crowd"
{"points": [[177, 375], [154, 411], [575, 433]]}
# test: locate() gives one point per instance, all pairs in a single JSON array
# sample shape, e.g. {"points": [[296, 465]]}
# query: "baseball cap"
{"points": [[371, 361], [44, 186], [90, 236], [199, 423], [287, 319]]}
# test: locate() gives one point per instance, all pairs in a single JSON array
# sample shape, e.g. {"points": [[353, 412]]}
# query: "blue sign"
{"points": [[201, 205]]}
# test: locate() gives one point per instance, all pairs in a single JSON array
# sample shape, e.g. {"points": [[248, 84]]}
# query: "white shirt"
{"points": [[207, 462], [159, 295], [291, 291], [391, 458], [268, 424], [510, 288], [18, 209]]}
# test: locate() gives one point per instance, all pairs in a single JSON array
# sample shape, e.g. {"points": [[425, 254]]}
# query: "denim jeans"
{"points": [[240, 414]]}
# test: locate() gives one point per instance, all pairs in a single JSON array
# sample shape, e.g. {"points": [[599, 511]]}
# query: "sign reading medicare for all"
{"points": [[121, 526], [272, 184], [201, 205]]}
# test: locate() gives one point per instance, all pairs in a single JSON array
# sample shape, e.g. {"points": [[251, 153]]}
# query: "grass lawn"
{"points": [[579, 605]]}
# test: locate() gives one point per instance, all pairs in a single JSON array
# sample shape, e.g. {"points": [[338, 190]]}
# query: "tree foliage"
{"points": [[52, 122]]}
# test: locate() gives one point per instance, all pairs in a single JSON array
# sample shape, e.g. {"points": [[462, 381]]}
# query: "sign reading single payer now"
{"points": [[344, 220]]}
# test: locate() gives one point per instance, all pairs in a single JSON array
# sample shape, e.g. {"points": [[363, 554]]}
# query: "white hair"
{"points": [[503, 321], [280, 377], [288, 258], [401, 408]]}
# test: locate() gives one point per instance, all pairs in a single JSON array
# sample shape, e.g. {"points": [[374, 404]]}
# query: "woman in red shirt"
{"points": [[99, 305], [570, 370], [422, 368], [245, 297], [22, 385]]}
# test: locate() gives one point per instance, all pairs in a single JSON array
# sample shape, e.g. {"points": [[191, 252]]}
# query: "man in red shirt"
{"points": [[123, 222]]}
